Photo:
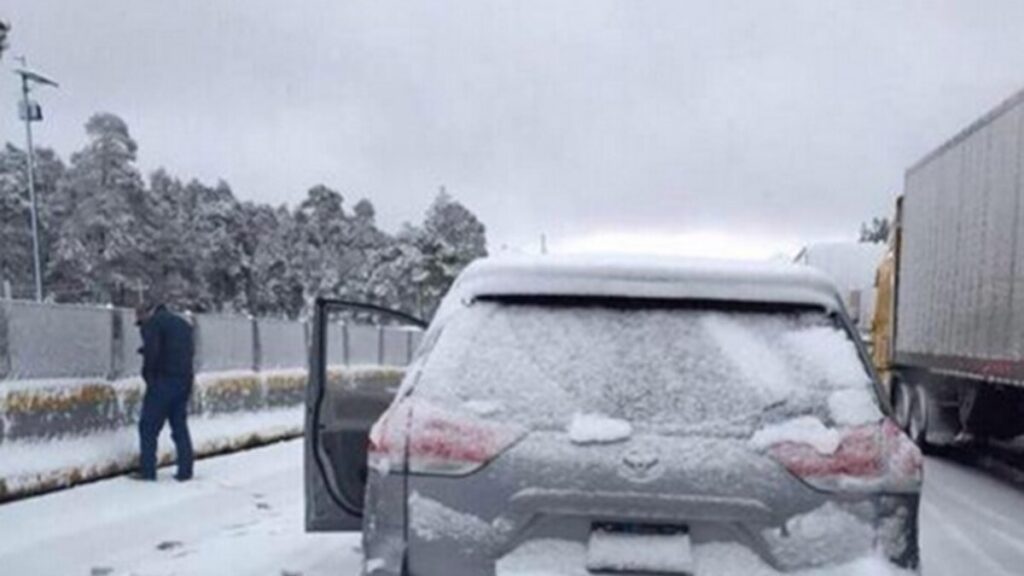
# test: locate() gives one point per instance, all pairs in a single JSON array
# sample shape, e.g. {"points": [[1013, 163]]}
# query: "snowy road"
{"points": [[971, 523], [243, 516]]}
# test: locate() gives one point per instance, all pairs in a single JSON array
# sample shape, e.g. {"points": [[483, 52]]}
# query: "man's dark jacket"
{"points": [[167, 347]]}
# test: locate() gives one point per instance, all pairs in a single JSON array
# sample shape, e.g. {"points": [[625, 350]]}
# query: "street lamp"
{"points": [[30, 112]]}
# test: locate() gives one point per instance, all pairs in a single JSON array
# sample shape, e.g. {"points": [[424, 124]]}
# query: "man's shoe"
{"points": [[141, 477], [182, 477]]}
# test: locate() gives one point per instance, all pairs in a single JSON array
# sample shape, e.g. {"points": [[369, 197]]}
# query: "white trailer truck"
{"points": [[949, 325]]}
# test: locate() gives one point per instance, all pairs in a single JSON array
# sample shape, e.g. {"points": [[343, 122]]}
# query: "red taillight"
{"points": [[437, 441], [906, 463], [872, 457]]}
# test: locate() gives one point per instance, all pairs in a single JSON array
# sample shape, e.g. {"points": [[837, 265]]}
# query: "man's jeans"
{"points": [[166, 399]]}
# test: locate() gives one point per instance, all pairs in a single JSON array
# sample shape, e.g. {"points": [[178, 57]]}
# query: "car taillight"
{"points": [[872, 457], [437, 441]]}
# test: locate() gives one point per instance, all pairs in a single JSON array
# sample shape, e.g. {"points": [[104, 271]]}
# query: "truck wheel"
{"points": [[917, 427], [902, 402]]}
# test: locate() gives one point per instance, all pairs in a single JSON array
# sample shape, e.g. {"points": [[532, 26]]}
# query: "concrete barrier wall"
{"points": [[39, 341], [56, 434]]}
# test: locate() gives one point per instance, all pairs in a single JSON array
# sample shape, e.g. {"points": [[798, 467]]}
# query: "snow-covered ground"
{"points": [[243, 516], [26, 464], [971, 523]]}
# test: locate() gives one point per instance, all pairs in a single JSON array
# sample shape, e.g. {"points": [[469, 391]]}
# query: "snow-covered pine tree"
{"points": [[105, 246], [451, 238], [109, 237], [15, 227]]}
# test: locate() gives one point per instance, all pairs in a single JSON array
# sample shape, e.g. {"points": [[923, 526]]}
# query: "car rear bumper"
{"points": [[448, 542], [547, 490]]}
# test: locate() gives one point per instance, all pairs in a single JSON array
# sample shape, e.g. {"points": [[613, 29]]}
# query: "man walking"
{"points": [[167, 350]]}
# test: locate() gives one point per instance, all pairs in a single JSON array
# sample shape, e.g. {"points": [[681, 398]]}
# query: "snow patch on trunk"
{"points": [[483, 408], [803, 430], [598, 429]]}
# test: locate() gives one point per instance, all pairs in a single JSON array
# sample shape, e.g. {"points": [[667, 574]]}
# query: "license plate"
{"points": [[652, 549]]}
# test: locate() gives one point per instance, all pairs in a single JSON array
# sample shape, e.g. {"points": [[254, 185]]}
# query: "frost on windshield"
{"points": [[648, 366]]}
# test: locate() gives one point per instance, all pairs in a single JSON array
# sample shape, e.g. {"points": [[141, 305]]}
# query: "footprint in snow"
{"points": [[263, 506], [168, 545], [101, 571], [242, 525], [290, 573]]}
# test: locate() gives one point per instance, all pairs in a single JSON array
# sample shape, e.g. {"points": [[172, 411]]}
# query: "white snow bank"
{"points": [[598, 429], [565, 558], [803, 430], [25, 464], [203, 379], [28, 385], [853, 407]]}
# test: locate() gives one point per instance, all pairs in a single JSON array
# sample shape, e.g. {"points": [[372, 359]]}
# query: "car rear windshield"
{"points": [[669, 366]]}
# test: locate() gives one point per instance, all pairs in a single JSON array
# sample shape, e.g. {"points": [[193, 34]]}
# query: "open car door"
{"points": [[339, 415]]}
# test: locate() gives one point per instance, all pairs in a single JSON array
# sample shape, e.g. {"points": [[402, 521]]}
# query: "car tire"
{"points": [[902, 403]]}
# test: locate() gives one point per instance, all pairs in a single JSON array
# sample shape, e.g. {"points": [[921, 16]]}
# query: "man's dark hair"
{"points": [[146, 309]]}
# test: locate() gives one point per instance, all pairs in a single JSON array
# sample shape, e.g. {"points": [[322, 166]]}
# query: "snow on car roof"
{"points": [[646, 277]]}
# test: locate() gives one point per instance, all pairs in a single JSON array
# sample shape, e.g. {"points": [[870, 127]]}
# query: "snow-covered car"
{"points": [[570, 416]]}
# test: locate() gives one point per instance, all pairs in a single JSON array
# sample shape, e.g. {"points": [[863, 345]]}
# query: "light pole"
{"points": [[31, 112]]}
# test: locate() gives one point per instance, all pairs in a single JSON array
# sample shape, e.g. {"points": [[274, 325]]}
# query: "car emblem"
{"points": [[641, 464]]}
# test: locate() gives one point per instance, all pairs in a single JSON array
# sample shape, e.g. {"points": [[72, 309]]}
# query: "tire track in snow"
{"points": [[971, 523], [960, 539]]}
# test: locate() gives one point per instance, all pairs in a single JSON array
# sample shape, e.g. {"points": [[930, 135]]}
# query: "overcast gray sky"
{"points": [[678, 125]]}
